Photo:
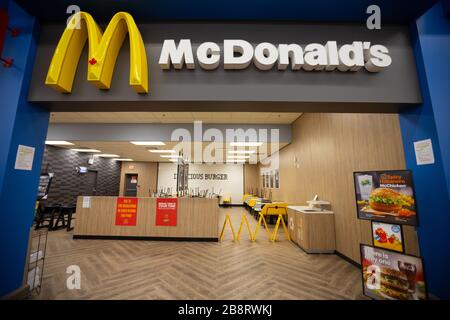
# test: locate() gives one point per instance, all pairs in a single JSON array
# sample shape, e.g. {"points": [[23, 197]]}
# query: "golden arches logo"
{"points": [[103, 51]]}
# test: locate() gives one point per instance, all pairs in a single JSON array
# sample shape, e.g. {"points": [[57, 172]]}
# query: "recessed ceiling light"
{"points": [[161, 151], [107, 155], [148, 143], [126, 159], [246, 144], [238, 157], [170, 156], [241, 151], [58, 143], [86, 150]]}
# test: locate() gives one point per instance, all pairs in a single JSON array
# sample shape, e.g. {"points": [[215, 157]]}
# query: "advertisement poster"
{"points": [[389, 275], [126, 211], [166, 212], [386, 196], [387, 236]]}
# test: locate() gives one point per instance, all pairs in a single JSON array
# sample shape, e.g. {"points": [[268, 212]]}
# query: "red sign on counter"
{"points": [[166, 211], [126, 211]]}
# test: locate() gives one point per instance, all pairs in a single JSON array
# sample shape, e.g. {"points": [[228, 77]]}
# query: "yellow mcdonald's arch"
{"points": [[103, 51]]}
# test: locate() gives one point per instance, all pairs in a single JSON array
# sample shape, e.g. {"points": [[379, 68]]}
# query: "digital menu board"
{"points": [[386, 196], [387, 235], [389, 275]]}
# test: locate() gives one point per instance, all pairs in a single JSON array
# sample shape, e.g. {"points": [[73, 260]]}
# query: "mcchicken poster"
{"points": [[126, 211], [166, 211], [386, 196], [387, 235], [389, 275]]}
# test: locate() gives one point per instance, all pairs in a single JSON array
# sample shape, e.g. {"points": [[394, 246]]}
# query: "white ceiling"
{"points": [[125, 149], [174, 117]]}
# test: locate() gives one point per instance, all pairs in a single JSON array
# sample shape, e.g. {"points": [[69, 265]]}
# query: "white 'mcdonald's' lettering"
{"points": [[239, 54]]}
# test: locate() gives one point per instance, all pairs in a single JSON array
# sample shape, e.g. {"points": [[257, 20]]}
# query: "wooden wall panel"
{"points": [[329, 148], [147, 177], [251, 178]]}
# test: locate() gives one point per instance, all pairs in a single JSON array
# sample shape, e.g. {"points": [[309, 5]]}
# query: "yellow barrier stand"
{"points": [[261, 218], [244, 220], [272, 209], [227, 218], [274, 234]]}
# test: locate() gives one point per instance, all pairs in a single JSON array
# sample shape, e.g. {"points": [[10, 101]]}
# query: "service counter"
{"points": [[196, 219], [313, 231]]}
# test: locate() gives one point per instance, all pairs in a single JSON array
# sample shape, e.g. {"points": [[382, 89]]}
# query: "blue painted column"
{"points": [[20, 123], [431, 41]]}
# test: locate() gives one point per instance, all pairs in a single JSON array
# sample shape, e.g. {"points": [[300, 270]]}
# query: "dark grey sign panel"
{"points": [[240, 90], [161, 132]]}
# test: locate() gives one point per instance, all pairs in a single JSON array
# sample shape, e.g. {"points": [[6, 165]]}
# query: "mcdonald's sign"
{"points": [[103, 51]]}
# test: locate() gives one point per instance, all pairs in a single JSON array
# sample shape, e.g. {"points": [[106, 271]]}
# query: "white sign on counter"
{"points": [[424, 152], [24, 158], [86, 202]]}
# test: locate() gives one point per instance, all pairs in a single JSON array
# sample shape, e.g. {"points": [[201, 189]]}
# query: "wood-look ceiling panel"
{"points": [[173, 117]]}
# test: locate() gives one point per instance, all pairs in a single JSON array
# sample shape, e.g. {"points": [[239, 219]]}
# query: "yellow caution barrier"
{"points": [[272, 209], [261, 218], [286, 231], [244, 220], [227, 219]]}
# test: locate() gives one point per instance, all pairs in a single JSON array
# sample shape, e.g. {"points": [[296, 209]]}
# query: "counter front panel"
{"points": [[197, 218]]}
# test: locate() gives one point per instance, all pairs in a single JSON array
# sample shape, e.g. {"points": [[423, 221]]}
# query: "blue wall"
{"points": [[431, 40], [20, 123]]}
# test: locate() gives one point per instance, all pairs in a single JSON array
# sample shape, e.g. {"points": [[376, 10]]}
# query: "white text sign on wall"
{"points": [[239, 54]]}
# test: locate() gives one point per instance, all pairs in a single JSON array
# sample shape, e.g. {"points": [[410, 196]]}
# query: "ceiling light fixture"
{"points": [[58, 143], [161, 151], [86, 150], [148, 143], [107, 155], [125, 159], [241, 151], [170, 156], [238, 157], [246, 144]]}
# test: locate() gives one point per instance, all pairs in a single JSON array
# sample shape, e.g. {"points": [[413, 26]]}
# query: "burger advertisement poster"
{"points": [[386, 196], [388, 236], [389, 275]]}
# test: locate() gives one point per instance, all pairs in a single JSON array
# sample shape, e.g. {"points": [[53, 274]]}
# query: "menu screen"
{"points": [[389, 275], [386, 196], [387, 235]]}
